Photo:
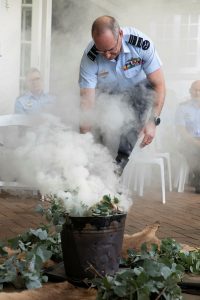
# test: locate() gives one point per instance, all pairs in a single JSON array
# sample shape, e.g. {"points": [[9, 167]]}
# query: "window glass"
{"points": [[26, 41], [26, 23], [182, 35]]}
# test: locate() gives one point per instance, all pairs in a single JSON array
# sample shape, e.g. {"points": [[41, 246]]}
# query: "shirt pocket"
{"points": [[132, 72], [106, 77]]}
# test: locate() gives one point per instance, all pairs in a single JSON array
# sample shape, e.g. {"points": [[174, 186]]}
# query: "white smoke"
{"points": [[110, 117], [54, 159]]}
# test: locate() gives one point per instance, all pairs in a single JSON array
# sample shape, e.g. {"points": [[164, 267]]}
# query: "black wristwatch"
{"points": [[156, 120]]}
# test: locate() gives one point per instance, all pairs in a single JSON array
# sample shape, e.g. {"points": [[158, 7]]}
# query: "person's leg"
{"points": [[127, 143], [140, 100], [193, 158], [196, 181]]}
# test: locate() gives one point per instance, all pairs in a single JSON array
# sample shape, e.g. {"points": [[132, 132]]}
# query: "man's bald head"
{"points": [[104, 23], [34, 81], [195, 89]]}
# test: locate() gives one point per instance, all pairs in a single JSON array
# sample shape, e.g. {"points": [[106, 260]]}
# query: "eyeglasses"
{"points": [[112, 50]]}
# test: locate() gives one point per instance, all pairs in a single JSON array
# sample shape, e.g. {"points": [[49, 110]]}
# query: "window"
{"points": [[179, 40], [26, 40], [35, 39], [189, 40]]}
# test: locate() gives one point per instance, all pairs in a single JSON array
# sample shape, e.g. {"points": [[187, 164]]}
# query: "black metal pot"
{"points": [[95, 241]]}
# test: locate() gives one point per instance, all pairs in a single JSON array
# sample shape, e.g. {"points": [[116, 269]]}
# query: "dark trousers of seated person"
{"points": [[140, 100], [192, 155]]}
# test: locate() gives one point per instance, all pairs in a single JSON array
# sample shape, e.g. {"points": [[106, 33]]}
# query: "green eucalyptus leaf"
{"points": [[33, 284], [40, 233], [165, 272], [40, 209], [43, 253], [44, 278], [120, 291]]}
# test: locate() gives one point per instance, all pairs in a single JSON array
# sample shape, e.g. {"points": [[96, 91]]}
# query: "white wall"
{"points": [[10, 31]]}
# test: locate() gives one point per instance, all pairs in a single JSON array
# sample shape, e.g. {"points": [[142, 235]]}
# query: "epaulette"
{"points": [[137, 41], [92, 54]]}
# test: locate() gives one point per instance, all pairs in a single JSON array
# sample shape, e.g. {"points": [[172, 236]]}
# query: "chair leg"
{"points": [[141, 181], [176, 181], [135, 182], [138, 176], [182, 178], [166, 156], [163, 183], [169, 172], [162, 173]]}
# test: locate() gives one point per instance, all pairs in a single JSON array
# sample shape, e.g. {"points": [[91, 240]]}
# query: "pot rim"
{"points": [[96, 216]]}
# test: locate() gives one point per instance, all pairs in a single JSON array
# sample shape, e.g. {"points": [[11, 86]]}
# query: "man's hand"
{"points": [[149, 132], [85, 129]]}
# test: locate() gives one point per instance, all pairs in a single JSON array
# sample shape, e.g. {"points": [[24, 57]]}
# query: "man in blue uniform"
{"points": [[122, 60], [34, 100], [188, 125]]}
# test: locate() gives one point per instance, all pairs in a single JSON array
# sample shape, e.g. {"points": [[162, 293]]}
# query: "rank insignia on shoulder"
{"points": [[92, 53], [133, 62], [137, 41]]}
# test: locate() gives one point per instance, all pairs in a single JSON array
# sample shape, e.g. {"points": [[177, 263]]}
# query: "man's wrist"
{"points": [[155, 119]]}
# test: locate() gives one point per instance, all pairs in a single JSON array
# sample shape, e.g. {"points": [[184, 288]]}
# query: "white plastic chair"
{"points": [[157, 145], [141, 172], [136, 170], [8, 121]]}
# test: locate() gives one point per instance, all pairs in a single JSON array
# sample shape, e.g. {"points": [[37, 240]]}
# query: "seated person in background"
{"points": [[188, 126], [34, 100]]}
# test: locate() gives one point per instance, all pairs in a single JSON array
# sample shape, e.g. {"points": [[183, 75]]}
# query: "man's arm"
{"points": [[87, 105], [156, 78], [19, 109]]}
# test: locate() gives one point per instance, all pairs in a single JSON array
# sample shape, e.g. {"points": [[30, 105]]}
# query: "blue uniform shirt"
{"points": [[188, 116], [30, 104], [137, 59]]}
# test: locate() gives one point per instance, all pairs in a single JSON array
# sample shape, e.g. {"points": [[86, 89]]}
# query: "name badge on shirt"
{"points": [[133, 62], [103, 73]]}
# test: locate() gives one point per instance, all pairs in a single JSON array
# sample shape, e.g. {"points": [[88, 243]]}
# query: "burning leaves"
{"points": [[106, 207]]}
